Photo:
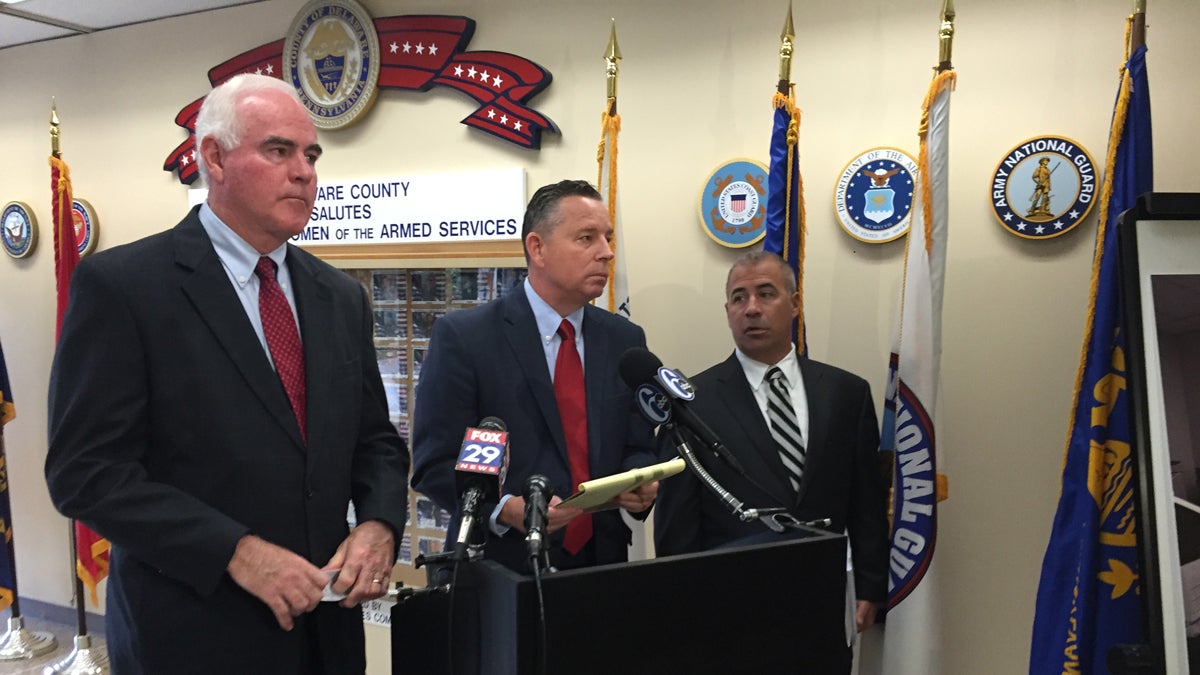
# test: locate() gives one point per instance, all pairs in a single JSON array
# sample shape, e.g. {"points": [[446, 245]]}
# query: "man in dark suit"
{"points": [[830, 467], [507, 359], [216, 446]]}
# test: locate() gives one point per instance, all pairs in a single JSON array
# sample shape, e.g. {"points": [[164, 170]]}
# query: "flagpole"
{"points": [[83, 660], [787, 45], [612, 62]]}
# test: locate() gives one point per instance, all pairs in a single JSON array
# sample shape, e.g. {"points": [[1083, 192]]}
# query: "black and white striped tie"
{"points": [[785, 429]]}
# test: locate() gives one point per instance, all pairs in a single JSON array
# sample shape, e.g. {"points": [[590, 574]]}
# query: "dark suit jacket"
{"points": [[841, 477], [489, 361], [171, 435]]}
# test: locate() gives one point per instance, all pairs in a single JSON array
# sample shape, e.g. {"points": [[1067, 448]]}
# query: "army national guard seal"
{"points": [[18, 229], [1044, 187], [873, 196], [331, 57], [733, 203]]}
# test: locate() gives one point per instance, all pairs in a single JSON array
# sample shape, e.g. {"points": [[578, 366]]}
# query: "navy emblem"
{"points": [[653, 404], [18, 229], [733, 203], [1044, 187], [86, 226], [331, 57], [873, 197]]}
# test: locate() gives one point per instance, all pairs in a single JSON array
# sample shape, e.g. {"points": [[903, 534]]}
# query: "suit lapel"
{"points": [[597, 354], [819, 418], [314, 304], [207, 286], [762, 457], [521, 333]]}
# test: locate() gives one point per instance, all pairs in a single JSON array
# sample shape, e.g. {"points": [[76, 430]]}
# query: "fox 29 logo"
{"points": [[482, 451]]}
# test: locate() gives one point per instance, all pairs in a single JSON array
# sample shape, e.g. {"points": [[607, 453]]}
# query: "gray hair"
{"points": [[218, 117], [755, 257]]}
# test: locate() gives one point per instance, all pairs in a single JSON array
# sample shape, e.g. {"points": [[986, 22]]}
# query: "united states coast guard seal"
{"points": [[873, 197], [1044, 187], [331, 57], [733, 203]]}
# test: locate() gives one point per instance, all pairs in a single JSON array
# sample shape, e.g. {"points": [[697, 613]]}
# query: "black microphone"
{"points": [[537, 498], [482, 463], [638, 366]]}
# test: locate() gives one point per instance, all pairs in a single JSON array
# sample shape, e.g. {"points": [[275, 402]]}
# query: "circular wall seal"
{"points": [[873, 196], [733, 203], [1044, 187], [331, 57], [87, 227], [18, 229]]}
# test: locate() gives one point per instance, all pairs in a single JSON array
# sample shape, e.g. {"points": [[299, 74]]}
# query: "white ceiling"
{"points": [[36, 20]]}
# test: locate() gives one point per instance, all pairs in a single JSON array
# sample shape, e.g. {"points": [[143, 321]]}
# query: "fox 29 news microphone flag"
{"points": [[1088, 597]]}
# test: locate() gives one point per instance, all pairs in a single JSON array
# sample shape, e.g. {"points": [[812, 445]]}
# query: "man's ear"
{"points": [[214, 158], [533, 246]]}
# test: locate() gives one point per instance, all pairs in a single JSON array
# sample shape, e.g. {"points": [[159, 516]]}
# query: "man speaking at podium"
{"points": [[543, 360], [805, 433]]}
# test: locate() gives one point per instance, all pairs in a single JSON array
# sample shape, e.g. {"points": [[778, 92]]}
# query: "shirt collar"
{"points": [[547, 318], [756, 371], [239, 257]]}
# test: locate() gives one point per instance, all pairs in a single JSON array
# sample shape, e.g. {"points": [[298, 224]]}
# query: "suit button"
{"points": [[310, 494]]}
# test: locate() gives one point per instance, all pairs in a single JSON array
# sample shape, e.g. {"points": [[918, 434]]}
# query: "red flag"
{"points": [[91, 550]]}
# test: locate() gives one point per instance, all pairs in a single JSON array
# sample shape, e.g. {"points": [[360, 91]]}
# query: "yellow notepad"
{"points": [[597, 493]]}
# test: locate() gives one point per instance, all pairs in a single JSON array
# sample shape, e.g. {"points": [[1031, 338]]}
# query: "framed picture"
{"points": [[1160, 265]]}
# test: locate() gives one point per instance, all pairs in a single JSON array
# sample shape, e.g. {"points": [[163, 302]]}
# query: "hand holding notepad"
{"points": [[597, 494]]}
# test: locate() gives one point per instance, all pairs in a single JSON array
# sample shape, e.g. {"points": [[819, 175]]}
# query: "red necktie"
{"points": [[283, 340], [572, 408]]}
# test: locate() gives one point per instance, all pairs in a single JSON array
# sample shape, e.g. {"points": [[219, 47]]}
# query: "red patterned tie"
{"points": [[283, 339], [572, 408]]}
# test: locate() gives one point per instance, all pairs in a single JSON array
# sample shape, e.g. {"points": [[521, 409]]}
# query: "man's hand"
{"points": [[284, 581], [864, 614], [365, 559], [639, 499], [513, 514]]}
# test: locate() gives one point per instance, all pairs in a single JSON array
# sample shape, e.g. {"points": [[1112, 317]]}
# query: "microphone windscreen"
{"points": [[492, 424], [638, 366]]}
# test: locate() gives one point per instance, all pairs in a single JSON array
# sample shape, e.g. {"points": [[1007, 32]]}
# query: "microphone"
{"points": [[482, 464], [640, 368], [537, 498]]}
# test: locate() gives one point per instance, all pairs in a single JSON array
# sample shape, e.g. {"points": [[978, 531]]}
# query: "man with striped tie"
{"points": [[805, 433]]}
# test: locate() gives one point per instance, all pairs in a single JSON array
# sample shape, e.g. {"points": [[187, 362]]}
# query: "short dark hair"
{"points": [[541, 214], [755, 257]]}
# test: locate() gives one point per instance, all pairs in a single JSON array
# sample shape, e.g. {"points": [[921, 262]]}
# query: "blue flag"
{"points": [[785, 202], [7, 412], [1088, 596]]}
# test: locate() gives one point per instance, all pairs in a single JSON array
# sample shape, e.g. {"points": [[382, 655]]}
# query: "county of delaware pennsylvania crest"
{"points": [[874, 195], [1044, 187], [733, 203], [331, 57], [18, 229]]}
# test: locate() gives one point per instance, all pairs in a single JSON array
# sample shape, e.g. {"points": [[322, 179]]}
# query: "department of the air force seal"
{"points": [[331, 57], [18, 229], [873, 197], [1044, 187], [733, 203], [86, 226]]}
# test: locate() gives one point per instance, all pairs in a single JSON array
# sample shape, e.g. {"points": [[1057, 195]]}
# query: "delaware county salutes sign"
{"points": [[414, 209]]}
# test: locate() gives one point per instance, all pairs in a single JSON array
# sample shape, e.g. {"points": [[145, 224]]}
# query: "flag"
{"points": [[91, 550], [8, 577], [908, 430], [1088, 596], [616, 293], [785, 201]]}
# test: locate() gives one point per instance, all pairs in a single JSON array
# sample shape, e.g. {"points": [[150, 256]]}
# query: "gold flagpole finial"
{"points": [[612, 60], [787, 45], [946, 36], [54, 129]]}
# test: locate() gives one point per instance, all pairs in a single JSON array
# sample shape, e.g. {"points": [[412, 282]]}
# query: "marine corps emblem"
{"points": [[18, 229], [86, 226], [874, 195], [331, 57], [1044, 187], [733, 203]]}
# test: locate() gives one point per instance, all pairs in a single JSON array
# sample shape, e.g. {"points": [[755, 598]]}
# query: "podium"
{"points": [[764, 608]]}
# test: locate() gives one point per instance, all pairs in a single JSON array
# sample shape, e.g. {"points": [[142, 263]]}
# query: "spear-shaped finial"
{"points": [[54, 129], [787, 44], [612, 61], [946, 36]]}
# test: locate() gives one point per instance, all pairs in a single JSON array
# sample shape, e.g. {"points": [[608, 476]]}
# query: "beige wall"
{"points": [[695, 91]]}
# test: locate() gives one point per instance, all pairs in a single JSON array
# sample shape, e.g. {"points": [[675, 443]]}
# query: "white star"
{"points": [[395, 47], [183, 160], [1021, 226], [517, 125], [258, 71], [192, 154], [1008, 217], [420, 48], [504, 120], [458, 71], [1058, 225], [407, 48], [492, 114], [496, 81], [433, 50], [1039, 229], [471, 72], [484, 77], [270, 69], [1074, 214]]}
